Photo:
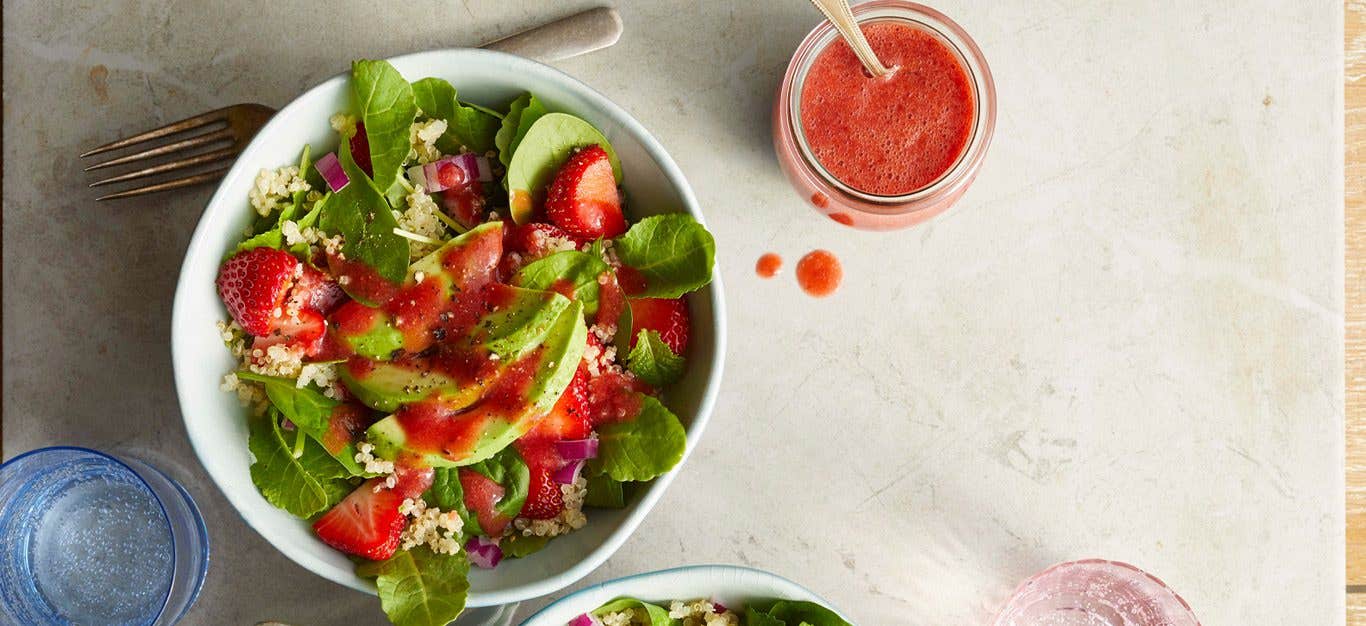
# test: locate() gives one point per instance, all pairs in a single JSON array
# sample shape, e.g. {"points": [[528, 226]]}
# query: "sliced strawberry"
{"points": [[568, 419], [544, 499], [668, 317], [306, 330], [253, 285], [366, 523], [583, 198], [315, 290], [360, 150], [482, 494], [465, 203]]}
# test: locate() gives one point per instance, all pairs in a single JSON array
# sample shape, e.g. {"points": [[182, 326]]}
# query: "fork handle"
{"points": [[566, 37]]}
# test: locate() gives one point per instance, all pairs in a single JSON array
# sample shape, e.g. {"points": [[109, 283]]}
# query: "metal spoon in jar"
{"points": [[839, 14]]}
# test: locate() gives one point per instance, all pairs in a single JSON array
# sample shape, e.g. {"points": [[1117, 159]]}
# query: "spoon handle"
{"points": [[566, 37], [839, 14]]}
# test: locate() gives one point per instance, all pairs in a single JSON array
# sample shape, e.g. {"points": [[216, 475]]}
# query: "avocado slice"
{"points": [[444, 433], [462, 265], [519, 324]]}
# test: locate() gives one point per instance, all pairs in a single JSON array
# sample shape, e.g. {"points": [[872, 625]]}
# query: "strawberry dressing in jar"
{"points": [[890, 152]]}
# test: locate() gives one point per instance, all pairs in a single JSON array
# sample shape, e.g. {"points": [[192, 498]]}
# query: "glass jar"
{"points": [[850, 206]]}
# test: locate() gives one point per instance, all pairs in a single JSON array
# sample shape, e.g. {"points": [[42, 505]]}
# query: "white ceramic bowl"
{"points": [[728, 584], [216, 423]]}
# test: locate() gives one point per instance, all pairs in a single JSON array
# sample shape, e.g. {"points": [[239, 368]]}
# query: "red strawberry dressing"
{"points": [[768, 265], [819, 273], [894, 135]]}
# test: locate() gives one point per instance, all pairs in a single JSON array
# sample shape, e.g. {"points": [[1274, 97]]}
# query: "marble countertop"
{"points": [[1126, 340]]}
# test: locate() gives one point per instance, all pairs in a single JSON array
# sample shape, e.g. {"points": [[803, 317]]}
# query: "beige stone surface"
{"points": [[1126, 341]]}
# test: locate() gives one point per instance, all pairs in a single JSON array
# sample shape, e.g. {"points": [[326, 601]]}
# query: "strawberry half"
{"points": [[367, 523], [253, 284], [583, 198], [668, 317], [568, 419], [464, 203], [544, 499]]}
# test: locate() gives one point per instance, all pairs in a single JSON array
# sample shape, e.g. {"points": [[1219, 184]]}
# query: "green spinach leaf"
{"points": [[303, 485], [802, 612], [447, 494], [509, 470], [546, 146], [754, 617], [569, 270], [387, 107], [418, 587], [310, 410], [518, 545], [364, 219], [522, 113], [642, 448], [467, 127], [653, 361], [659, 616], [605, 493], [673, 253]]}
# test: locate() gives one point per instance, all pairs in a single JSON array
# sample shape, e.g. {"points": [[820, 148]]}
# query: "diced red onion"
{"points": [[483, 552], [576, 449], [285, 424], [568, 474], [332, 172], [582, 620], [455, 171], [718, 607]]}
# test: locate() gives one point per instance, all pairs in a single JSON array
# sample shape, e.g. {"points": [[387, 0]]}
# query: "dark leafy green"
{"points": [[605, 493], [579, 271], [386, 105], [418, 587], [653, 361], [305, 484], [517, 545], [659, 616], [467, 127], [797, 612], [308, 409], [522, 113], [447, 494], [641, 448], [509, 470], [673, 253], [364, 219]]}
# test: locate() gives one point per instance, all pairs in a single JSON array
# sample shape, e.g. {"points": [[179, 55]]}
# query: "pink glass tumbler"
{"points": [[1095, 592]]}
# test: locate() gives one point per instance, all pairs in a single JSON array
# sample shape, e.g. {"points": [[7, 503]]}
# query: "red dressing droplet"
{"points": [[819, 273], [768, 265]]}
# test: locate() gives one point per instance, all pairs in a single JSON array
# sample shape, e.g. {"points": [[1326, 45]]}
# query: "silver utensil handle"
{"points": [[566, 37]]}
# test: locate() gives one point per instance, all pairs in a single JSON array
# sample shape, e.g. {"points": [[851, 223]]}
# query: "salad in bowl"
{"points": [[450, 340], [696, 595]]}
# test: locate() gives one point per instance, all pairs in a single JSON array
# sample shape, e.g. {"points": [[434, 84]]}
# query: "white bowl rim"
{"points": [[646, 500], [621, 587]]}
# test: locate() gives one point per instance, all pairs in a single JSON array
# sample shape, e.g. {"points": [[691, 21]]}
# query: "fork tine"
{"points": [[169, 129], [168, 185], [198, 159], [200, 139]]}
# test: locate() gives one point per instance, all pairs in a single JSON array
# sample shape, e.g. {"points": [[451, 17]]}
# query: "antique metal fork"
{"points": [[210, 152]]}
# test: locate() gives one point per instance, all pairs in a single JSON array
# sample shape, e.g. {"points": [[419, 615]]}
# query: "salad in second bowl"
{"points": [[451, 339], [769, 612]]}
